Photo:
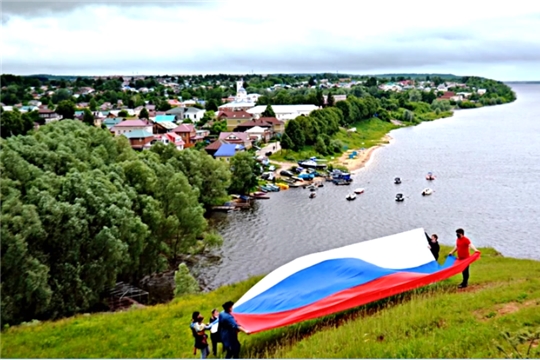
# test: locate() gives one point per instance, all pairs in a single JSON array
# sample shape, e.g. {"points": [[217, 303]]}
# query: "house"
{"points": [[177, 112], [202, 133], [234, 118], [48, 115], [110, 122], [174, 102], [284, 112], [106, 106], [162, 118], [227, 151], [450, 95], [236, 138], [130, 125], [481, 91], [277, 126], [336, 98], [194, 114], [139, 139], [213, 147], [163, 127], [260, 134], [170, 138], [187, 133]]}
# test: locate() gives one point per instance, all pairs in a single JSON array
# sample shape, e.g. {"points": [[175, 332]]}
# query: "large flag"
{"points": [[327, 282]]}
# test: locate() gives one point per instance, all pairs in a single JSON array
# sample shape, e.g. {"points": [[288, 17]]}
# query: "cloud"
{"points": [[238, 37]]}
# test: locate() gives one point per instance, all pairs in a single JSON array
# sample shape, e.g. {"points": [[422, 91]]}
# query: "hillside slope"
{"points": [[437, 321]]}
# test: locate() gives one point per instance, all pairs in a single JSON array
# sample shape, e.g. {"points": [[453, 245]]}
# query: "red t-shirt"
{"points": [[462, 244]]}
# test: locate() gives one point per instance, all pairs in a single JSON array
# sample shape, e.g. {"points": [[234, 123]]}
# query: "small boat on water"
{"points": [[312, 195], [397, 181], [359, 191], [427, 191], [400, 197], [430, 176], [351, 196]]}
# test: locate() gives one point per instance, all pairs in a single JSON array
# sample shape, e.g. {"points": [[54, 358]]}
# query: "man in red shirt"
{"points": [[462, 246]]}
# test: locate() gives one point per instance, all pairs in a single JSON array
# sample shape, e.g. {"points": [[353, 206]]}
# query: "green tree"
{"points": [[88, 117], [218, 127], [122, 113], [268, 112], [144, 114], [185, 282], [330, 100], [295, 133], [13, 123], [243, 170], [66, 109], [92, 104], [320, 146], [286, 142]]}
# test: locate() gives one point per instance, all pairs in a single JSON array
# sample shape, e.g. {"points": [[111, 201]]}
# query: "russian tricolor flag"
{"points": [[327, 282]]}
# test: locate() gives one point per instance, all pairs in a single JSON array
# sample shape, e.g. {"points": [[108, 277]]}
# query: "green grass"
{"points": [[436, 321]]}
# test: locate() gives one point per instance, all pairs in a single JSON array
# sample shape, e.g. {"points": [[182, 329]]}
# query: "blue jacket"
{"points": [[228, 329]]}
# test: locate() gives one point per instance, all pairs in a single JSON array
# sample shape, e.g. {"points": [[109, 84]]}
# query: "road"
{"points": [[273, 147]]}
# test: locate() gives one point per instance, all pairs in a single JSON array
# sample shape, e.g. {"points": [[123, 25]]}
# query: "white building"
{"points": [[242, 101], [283, 112]]}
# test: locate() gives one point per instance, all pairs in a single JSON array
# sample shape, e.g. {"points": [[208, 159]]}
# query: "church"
{"points": [[242, 101]]}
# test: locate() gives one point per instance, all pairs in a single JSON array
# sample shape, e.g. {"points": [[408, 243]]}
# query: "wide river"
{"points": [[487, 163]]}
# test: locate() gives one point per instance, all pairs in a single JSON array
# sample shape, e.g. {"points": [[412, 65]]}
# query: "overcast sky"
{"points": [[499, 40]]}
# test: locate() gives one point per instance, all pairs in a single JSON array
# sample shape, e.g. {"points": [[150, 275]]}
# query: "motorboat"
{"points": [[312, 195], [358, 191], [430, 176], [427, 191], [400, 197], [397, 181], [351, 196]]}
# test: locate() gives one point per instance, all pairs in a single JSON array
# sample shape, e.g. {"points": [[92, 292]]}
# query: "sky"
{"points": [[498, 40]]}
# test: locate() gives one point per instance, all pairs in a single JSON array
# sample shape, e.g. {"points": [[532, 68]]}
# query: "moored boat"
{"points": [[397, 181], [312, 195], [359, 191], [427, 191], [400, 197], [430, 176], [351, 196]]}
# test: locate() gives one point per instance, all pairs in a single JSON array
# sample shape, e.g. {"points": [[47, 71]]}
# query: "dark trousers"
{"points": [[465, 274], [215, 341], [233, 351]]}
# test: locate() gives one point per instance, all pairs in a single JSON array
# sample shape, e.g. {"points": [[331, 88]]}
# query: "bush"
{"points": [[185, 282]]}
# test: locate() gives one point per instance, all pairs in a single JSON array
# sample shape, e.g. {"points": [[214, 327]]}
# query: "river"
{"points": [[487, 164]]}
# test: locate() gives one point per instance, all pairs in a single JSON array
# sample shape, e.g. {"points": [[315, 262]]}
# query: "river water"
{"points": [[487, 164]]}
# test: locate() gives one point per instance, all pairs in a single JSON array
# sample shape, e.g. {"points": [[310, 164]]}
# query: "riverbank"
{"points": [[437, 321]]}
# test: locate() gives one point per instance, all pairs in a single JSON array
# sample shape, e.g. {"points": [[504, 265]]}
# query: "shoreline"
{"points": [[363, 157]]}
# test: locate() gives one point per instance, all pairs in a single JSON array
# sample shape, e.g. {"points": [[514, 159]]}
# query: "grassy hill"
{"points": [[437, 321]]}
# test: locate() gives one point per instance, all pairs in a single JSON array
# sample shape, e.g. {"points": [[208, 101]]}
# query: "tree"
{"points": [[320, 98], [296, 134], [123, 113], [66, 109], [144, 114], [92, 104], [218, 127], [286, 142], [320, 146], [330, 100], [88, 117], [268, 112], [415, 95], [13, 123], [208, 116], [243, 173], [185, 282]]}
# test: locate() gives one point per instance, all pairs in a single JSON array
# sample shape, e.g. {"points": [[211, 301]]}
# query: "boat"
{"points": [[399, 197], [427, 191], [273, 187], [397, 181], [283, 186], [358, 190], [342, 181], [430, 176], [311, 164], [312, 195], [260, 195], [351, 196]]}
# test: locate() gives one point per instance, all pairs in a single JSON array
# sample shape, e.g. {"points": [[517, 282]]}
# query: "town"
{"points": [[234, 116]]}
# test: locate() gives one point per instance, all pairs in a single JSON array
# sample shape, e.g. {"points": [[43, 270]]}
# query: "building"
{"points": [[234, 118], [227, 151], [163, 127], [48, 115], [170, 138], [139, 139], [194, 114], [259, 133], [242, 101], [130, 125], [336, 98], [236, 138], [188, 134], [284, 112], [276, 126]]}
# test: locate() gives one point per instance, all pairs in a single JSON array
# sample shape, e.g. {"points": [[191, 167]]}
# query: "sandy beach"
{"points": [[353, 165], [362, 157]]}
